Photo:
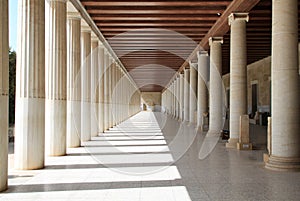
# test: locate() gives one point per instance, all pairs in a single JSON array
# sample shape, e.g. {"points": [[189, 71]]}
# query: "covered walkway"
{"points": [[139, 160]]}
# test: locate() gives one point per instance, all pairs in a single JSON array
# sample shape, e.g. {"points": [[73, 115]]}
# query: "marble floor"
{"points": [[152, 157]]}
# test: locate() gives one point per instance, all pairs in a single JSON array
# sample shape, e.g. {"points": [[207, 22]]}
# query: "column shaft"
{"points": [[193, 92], [73, 80], [56, 78], [94, 92], [30, 86], [215, 87], [85, 84], [181, 89], [186, 94], [285, 142], [100, 84], [238, 74], [106, 92], [3, 94], [202, 96]]}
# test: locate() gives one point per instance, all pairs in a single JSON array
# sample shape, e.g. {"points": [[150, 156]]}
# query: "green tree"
{"points": [[12, 86]]}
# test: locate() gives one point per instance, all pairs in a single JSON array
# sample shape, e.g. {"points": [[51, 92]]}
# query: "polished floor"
{"points": [[152, 157]]}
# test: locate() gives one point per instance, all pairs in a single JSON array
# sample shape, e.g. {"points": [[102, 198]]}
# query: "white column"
{"points": [[94, 92], [3, 93], [215, 86], [202, 95], [238, 74], [30, 86], [106, 91], [178, 97], [110, 71], [186, 95], [285, 153], [73, 80], [181, 96], [85, 84], [100, 84], [56, 77], [193, 92]]}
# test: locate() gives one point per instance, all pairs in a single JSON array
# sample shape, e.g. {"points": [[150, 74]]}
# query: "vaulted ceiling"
{"points": [[154, 39]]}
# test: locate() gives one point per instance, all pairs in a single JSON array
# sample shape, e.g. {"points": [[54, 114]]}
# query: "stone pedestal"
{"points": [[238, 74], [186, 104], [202, 94], [56, 77], [30, 86], [244, 138], [3, 94], [285, 151], [73, 80]]}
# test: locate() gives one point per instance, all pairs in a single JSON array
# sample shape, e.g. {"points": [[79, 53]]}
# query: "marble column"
{"points": [[56, 78], [181, 96], [110, 75], [193, 92], [73, 80], [238, 74], [94, 92], [85, 84], [186, 95], [3, 94], [177, 97], [216, 93], [30, 86], [285, 154], [202, 94], [100, 85], [106, 91]]}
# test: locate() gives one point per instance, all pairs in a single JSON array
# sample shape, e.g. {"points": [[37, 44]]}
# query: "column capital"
{"points": [[202, 53], [94, 38], [73, 15], [237, 16], [85, 29], [215, 40]]}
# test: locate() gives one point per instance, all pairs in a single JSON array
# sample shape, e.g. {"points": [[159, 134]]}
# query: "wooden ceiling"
{"points": [[154, 39]]}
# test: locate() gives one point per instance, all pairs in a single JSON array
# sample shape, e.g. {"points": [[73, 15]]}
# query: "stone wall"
{"points": [[152, 100], [258, 73]]}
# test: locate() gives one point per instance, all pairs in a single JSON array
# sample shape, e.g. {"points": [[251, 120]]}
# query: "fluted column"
{"points": [[30, 86], [85, 84], [186, 95], [56, 78], [285, 154], [110, 76], [3, 93], [238, 74], [106, 91], [100, 85], [202, 96], [181, 96], [73, 80], [215, 86], [177, 97], [94, 93], [193, 92]]}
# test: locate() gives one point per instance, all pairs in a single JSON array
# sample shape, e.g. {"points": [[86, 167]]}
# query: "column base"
{"points": [[244, 146], [283, 163], [232, 143]]}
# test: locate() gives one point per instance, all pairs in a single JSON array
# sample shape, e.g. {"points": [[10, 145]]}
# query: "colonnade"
{"points": [[210, 92], [69, 85]]}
